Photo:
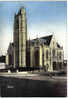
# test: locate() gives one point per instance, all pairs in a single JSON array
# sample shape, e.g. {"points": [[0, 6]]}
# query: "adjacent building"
{"points": [[44, 52]]}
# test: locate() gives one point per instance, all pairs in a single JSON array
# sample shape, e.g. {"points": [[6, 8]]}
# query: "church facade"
{"points": [[44, 52]]}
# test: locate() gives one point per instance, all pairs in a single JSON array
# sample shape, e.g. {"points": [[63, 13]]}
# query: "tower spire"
{"points": [[20, 38]]}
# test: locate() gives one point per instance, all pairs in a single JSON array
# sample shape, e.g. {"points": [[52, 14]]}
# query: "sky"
{"points": [[43, 18]]}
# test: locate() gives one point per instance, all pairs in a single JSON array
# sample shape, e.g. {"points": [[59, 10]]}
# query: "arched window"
{"points": [[53, 52], [60, 55], [10, 59], [47, 54], [37, 58], [28, 58]]}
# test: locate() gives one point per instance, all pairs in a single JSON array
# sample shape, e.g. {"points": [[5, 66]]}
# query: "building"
{"points": [[20, 38], [10, 56], [44, 52]]}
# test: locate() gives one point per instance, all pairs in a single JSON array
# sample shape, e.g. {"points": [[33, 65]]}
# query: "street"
{"points": [[25, 84]]}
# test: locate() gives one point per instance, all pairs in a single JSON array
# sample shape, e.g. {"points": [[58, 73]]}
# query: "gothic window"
{"points": [[28, 58], [54, 66], [60, 54], [10, 59], [37, 58], [53, 52], [47, 54], [47, 66]]}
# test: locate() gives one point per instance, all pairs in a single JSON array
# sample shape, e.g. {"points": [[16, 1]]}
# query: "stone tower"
{"points": [[20, 38]]}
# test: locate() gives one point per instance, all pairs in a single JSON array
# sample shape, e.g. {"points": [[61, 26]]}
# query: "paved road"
{"points": [[24, 84]]}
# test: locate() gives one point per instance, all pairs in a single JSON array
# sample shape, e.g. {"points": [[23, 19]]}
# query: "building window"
{"points": [[36, 58], [53, 52], [60, 55], [47, 66], [54, 66], [47, 54]]}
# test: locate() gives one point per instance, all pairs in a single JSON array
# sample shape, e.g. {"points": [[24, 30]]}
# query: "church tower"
{"points": [[20, 38]]}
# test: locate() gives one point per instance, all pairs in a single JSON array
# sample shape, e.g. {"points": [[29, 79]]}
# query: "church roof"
{"points": [[43, 40], [59, 46], [46, 39]]}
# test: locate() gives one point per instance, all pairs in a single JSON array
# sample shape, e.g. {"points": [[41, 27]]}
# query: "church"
{"points": [[44, 52]]}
